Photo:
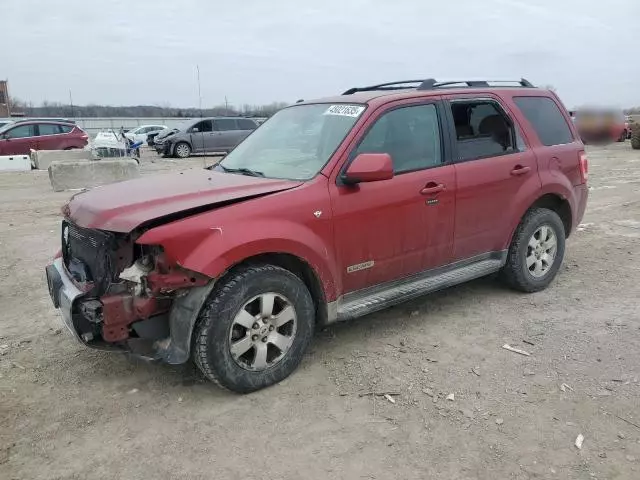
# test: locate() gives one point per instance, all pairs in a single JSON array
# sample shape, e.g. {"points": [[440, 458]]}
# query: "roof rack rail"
{"points": [[432, 83], [400, 85]]}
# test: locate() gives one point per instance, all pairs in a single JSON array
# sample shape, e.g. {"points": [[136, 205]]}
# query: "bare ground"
{"points": [[67, 412]]}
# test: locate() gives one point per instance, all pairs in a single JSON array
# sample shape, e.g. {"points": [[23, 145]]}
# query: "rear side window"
{"points": [[482, 129], [223, 124], [245, 124], [65, 128], [546, 118], [48, 129]]}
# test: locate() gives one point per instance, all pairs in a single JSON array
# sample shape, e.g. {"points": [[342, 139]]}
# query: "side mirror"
{"points": [[369, 167], [195, 130], [4, 136]]}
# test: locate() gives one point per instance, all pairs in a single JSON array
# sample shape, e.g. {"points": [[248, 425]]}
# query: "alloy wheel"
{"points": [[262, 331], [541, 251]]}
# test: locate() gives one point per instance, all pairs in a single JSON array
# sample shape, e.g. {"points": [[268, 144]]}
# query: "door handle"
{"points": [[432, 187], [520, 170]]}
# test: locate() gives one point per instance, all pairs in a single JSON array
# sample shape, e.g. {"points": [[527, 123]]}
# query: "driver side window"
{"points": [[22, 131], [410, 135], [204, 126]]}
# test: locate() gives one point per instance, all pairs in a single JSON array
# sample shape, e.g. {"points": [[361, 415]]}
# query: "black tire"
{"points": [[184, 147], [211, 350], [635, 138], [515, 272]]}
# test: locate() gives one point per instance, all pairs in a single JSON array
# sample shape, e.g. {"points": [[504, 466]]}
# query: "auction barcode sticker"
{"points": [[345, 110]]}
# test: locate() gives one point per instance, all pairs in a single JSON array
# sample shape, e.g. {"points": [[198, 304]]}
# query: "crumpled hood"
{"points": [[123, 206]]}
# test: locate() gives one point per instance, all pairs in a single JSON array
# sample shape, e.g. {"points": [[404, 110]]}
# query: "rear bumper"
{"points": [[582, 194]]}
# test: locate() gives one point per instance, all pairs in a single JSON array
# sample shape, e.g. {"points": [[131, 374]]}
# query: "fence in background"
{"points": [[92, 125]]}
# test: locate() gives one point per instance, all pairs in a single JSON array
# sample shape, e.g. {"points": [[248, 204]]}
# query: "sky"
{"points": [[145, 52]]}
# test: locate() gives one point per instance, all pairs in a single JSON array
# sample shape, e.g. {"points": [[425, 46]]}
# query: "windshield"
{"points": [[295, 143], [4, 126]]}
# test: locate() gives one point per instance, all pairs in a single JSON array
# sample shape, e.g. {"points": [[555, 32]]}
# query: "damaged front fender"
{"points": [[182, 319]]}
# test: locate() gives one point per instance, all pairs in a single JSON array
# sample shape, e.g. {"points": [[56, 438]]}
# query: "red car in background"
{"points": [[20, 137], [601, 125]]}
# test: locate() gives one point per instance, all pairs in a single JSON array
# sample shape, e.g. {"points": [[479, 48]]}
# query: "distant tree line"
{"points": [[57, 109]]}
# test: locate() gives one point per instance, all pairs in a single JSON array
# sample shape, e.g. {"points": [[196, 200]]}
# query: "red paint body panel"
{"points": [[282, 222], [123, 206]]}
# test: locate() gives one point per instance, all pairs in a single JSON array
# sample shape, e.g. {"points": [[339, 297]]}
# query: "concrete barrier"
{"points": [[41, 159], [83, 174], [15, 163]]}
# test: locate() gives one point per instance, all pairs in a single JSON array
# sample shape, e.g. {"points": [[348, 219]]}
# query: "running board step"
{"points": [[369, 300]]}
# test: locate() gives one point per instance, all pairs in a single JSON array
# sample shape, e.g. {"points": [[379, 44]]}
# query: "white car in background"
{"points": [[140, 133]]}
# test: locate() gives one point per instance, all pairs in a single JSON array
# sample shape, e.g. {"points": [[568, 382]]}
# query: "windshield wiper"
{"points": [[243, 171]]}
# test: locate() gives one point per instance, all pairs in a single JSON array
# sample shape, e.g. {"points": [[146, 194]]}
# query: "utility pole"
{"points": [[199, 92], [226, 105], [71, 103]]}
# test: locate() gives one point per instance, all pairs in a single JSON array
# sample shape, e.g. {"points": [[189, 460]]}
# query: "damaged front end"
{"points": [[115, 294]]}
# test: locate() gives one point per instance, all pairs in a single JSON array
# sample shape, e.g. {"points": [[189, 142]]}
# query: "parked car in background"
{"points": [[204, 135], [601, 125], [152, 136], [140, 133], [333, 209], [20, 137]]}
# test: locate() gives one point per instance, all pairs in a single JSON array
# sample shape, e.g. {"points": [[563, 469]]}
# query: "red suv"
{"points": [[331, 210], [20, 137]]}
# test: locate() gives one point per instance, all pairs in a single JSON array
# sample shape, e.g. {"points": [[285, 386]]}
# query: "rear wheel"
{"points": [[182, 150], [254, 328], [536, 251]]}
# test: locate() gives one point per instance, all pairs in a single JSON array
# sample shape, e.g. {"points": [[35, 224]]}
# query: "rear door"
{"points": [[50, 137], [494, 167], [19, 140], [245, 127], [228, 135], [390, 229]]}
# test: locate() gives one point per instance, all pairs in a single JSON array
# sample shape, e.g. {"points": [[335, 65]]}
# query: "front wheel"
{"points": [[182, 150], [254, 328], [536, 251]]}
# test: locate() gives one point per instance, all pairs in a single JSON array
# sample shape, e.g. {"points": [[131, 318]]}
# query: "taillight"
{"points": [[584, 167], [84, 137]]}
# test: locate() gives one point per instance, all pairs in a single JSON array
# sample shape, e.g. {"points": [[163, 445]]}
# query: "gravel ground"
{"points": [[465, 408]]}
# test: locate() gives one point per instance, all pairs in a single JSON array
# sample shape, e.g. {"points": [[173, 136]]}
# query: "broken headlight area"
{"points": [[129, 291]]}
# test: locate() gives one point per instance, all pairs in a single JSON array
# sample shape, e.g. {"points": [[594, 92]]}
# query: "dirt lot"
{"points": [[69, 412]]}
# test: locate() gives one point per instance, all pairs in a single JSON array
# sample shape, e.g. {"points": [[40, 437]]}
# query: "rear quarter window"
{"points": [[246, 124], [546, 118], [66, 128]]}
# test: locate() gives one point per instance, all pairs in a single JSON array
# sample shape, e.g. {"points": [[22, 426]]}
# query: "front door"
{"points": [[19, 140], [494, 168], [391, 229], [202, 136]]}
